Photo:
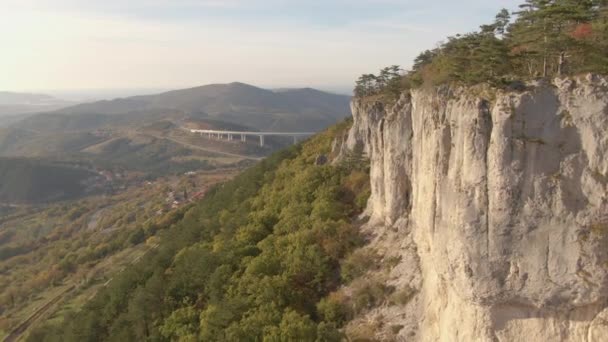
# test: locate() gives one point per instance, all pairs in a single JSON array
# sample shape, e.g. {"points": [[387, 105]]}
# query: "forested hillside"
{"points": [[253, 260], [30, 180]]}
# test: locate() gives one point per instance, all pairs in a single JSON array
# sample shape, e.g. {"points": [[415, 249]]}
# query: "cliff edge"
{"points": [[496, 203]]}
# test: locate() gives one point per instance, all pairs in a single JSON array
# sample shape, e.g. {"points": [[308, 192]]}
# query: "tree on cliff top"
{"points": [[544, 31], [388, 81], [547, 38]]}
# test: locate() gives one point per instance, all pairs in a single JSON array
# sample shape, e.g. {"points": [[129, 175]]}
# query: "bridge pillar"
{"points": [[261, 141], [243, 138], [295, 139]]}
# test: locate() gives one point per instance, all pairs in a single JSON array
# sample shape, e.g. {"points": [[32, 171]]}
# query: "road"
{"points": [[278, 134], [201, 148]]}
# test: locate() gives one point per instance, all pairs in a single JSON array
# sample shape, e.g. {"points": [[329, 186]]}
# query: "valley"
{"points": [[87, 191], [462, 197], [148, 134]]}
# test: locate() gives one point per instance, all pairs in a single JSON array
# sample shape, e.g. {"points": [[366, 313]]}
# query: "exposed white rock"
{"points": [[506, 202]]}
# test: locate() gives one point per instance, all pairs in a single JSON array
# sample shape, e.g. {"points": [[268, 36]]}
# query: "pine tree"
{"points": [[393, 85], [423, 59], [544, 29], [366, 85], [566, 16], [598, 40], [503, 18], [501, 21], [491, 60], [529, 34]]}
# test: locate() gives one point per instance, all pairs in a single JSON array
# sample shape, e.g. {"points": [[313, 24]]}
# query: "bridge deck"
{"points": [[290, 134]]}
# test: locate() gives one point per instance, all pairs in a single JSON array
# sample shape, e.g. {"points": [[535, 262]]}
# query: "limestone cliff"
{"points": [[498, 207]]}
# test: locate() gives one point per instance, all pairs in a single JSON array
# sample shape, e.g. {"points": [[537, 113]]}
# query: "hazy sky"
{"points": [[105, 44]]}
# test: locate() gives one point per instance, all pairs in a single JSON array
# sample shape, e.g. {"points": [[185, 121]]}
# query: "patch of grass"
{"points": [[335, 308], [566, 118], [368, 294], [586, 276], [396, 328], [583, 236], [402, 296], [532, 140], [362, 198], [358, 263], [392, 262], [484, 91], [375, 99], [363, 332], [599, 229], [599, 176]]}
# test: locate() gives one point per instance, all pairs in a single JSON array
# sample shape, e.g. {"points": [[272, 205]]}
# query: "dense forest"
{"points": [[253, 260], [544, 38]]}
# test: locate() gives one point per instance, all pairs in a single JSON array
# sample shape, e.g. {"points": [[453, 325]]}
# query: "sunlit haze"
{"points": [[160, 44]]}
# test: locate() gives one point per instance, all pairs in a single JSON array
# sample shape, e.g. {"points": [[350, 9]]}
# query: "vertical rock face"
{"points": [[506, 200]]}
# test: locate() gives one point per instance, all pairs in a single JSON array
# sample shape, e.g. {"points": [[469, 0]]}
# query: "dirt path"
{"points": [[94, 219]]}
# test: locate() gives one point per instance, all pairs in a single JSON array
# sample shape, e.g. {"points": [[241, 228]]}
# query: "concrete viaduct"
{"points": [[229, 135]]}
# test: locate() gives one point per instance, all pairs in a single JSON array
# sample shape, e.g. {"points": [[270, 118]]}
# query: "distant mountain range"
{"points": [[12, 103], [146, 132], [287, 109]]}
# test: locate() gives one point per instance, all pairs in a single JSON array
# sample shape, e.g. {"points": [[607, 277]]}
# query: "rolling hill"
{"points": [[262, 109], [146, 133]]}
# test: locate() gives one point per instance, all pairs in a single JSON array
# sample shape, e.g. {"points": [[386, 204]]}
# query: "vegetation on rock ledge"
{"points": [[546, 38]]}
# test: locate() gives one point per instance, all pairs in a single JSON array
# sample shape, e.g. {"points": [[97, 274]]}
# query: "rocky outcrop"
{"points": [[504, 195]]}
